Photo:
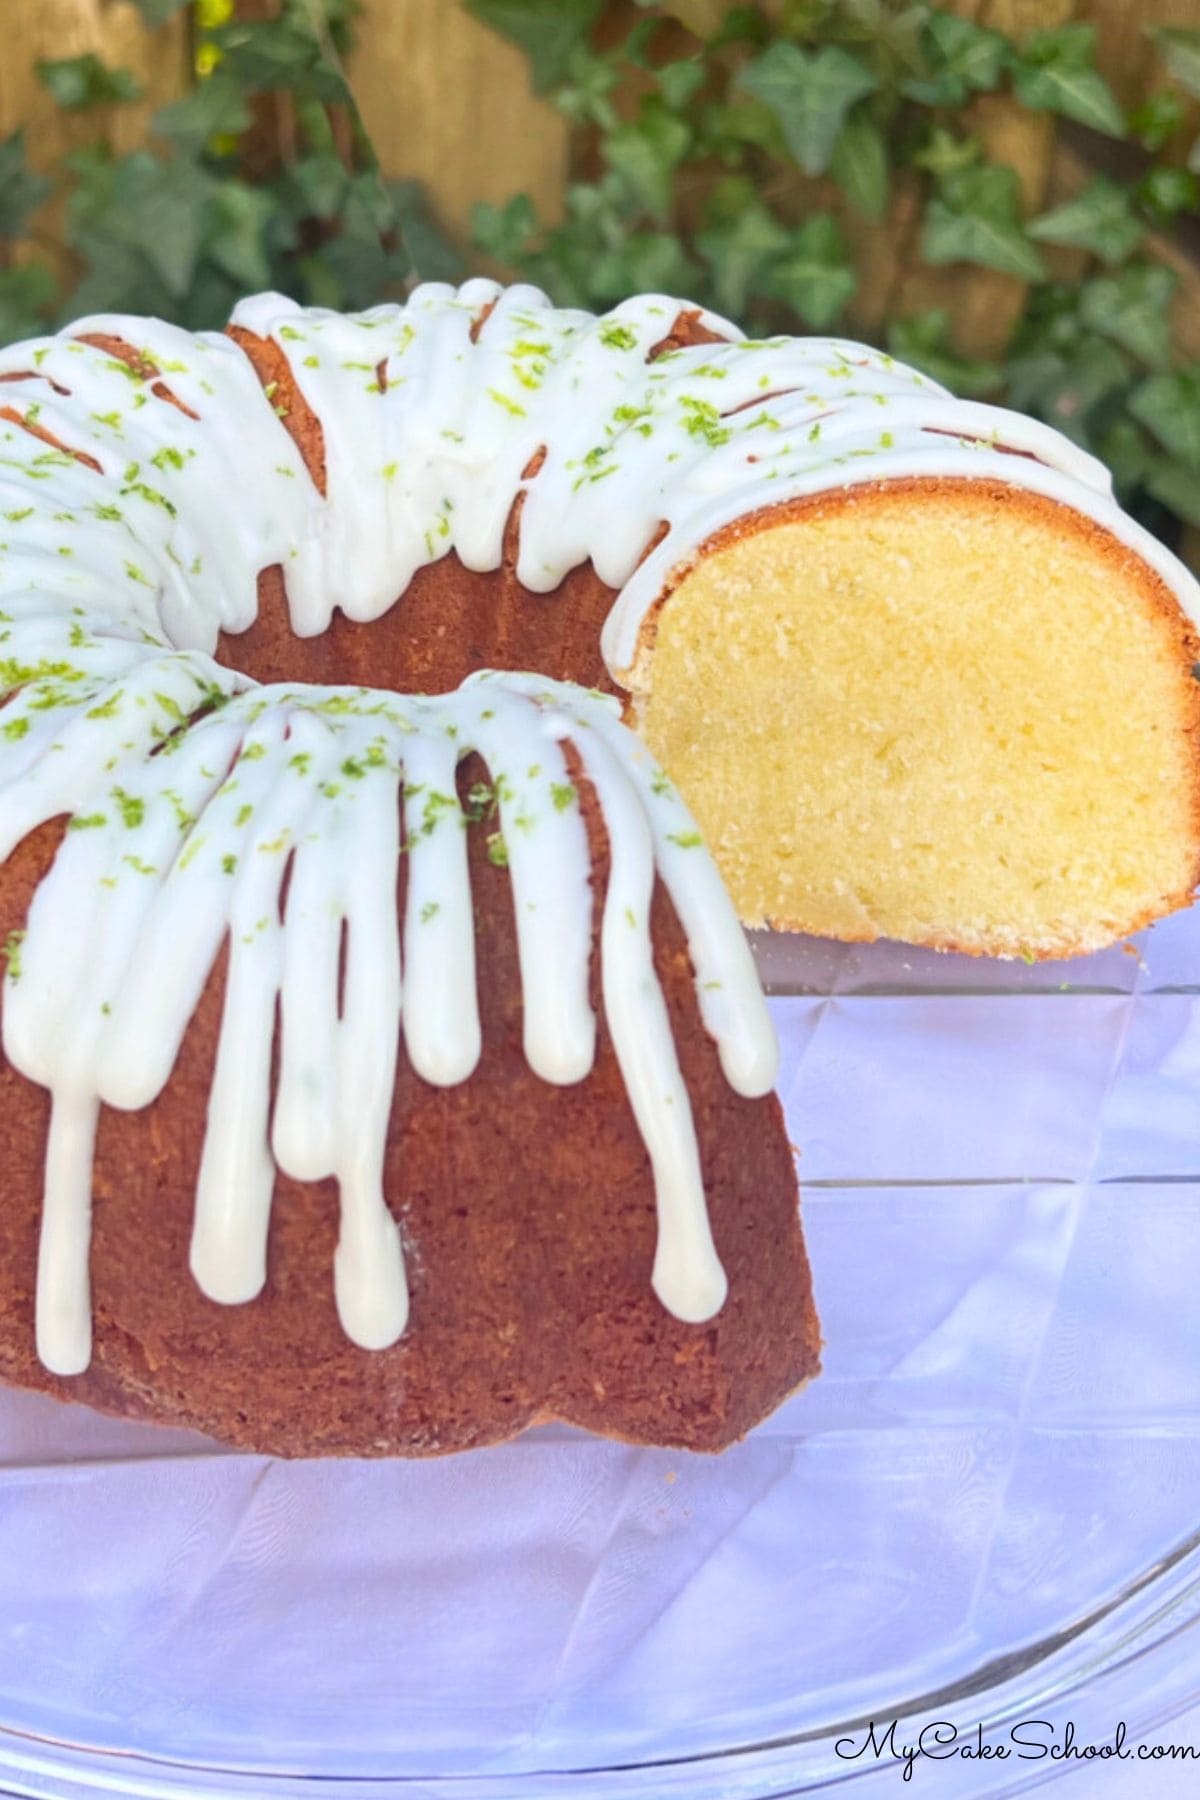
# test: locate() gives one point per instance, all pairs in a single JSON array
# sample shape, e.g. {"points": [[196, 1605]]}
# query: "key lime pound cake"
{"points": [[401, 1001]]}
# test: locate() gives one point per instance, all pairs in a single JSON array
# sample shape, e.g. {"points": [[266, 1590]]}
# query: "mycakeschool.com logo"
{"points": [[1030, 1740]]}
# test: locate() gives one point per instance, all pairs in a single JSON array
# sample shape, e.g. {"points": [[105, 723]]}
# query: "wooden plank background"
{"points": [[448, 102]]}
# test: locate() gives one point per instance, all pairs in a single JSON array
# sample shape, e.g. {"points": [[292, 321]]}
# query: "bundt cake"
{"points": [[422, 974]]}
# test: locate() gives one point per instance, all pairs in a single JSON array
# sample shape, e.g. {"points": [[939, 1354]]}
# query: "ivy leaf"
{"points": [[1126, 449], [810, 93], [21, 191], [238, 218], [1056, 72], [739, 251], [923, 339], [859, 165], [315, 186], [157, 12], [961, 57], [1168, 405], [215, 107], [943, 154], [169, 221], [1180, 51], [282, 55], [1158, 118], [144, 207], [815, 277], [977, 219], [367, 255], [740, 25], [1165, 191], [1177, 488], [77, 82], [432, 255], [584, 97], [727, 127], [1099, 218], [678, 81], [27, 295], [646, 262], [638, 43], [646, 152], [507, 231], [546, 30], [1131, 308], [1066, 387]]}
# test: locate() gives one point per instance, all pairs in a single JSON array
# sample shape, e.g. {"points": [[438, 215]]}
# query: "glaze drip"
{"points": [[169, 856]]}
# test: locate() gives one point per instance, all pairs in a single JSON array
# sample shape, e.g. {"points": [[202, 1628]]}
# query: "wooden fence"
{"points": [[448, 102]]}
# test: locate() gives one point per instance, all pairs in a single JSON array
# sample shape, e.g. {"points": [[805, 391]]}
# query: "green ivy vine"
{"points": [[742, 155], [699, 139], [261, 176]]}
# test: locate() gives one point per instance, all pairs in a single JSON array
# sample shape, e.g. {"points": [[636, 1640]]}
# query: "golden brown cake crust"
{"points": [[529, 1222]]}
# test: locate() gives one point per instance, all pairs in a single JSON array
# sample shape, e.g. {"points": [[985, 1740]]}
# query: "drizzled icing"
{"points": [[182, 841], [138, 506]]}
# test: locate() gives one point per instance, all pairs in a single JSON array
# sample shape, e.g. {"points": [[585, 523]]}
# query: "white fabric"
{"points": [[1006, 1435]]}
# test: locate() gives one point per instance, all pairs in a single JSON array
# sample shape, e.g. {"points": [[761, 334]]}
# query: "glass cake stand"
{"points": [[986, 1511]]}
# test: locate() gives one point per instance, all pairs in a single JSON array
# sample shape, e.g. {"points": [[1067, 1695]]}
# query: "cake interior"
{"points": [[965, 722]]}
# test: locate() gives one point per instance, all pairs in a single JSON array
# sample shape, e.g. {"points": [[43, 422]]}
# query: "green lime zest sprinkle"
{"points": [[702, 420], [435, 808], [429, 910], [87, 821], [687, 840], [497, 850], [510, 406], [172, 708], [562, 793], [11, 952], [107, 709], [132, 808]]}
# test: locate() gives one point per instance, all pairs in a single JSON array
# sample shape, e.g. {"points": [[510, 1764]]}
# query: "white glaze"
{"points": [[191, 791], [176, 853]]}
